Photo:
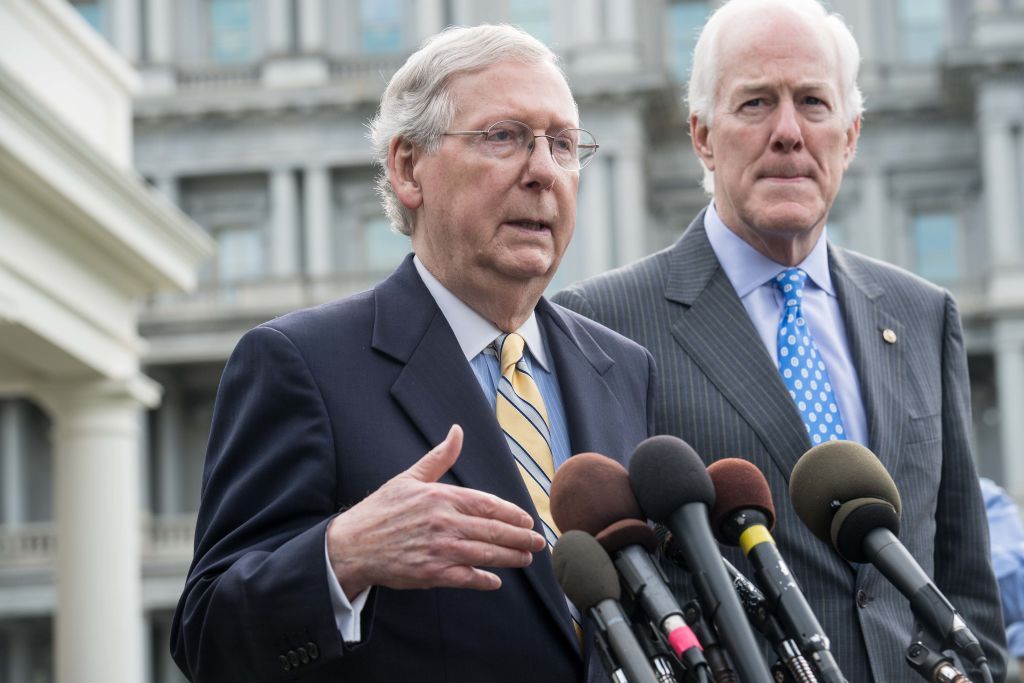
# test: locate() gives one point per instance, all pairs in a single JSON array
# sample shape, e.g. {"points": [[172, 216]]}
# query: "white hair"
{"points": [[417, 105], [704, 76]]}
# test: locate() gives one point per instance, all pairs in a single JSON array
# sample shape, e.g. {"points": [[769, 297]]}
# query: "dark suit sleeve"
{"points": [[962, 568], [258, 587]]}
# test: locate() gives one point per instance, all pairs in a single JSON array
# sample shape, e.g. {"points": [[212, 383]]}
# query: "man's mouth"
{"points": [[530, 225]]}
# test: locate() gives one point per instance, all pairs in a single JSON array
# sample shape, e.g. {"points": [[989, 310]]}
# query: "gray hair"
{"points": [[704, 74], [417, 105]]}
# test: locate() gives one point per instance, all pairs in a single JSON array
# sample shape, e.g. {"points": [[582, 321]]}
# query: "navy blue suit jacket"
{"points": [[320, 407]]}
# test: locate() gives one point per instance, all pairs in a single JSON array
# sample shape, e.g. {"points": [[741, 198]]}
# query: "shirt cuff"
{"points": [[346, 614]]}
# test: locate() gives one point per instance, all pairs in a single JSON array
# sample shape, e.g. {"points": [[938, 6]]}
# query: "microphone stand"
{"points": [[714, 653], [925, 657]]}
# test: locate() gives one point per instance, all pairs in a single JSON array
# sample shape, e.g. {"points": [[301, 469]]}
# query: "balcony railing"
{"points": [[30, 545]]}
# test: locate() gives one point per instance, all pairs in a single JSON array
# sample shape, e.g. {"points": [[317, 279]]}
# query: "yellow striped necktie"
{"points": [[524, 420]]}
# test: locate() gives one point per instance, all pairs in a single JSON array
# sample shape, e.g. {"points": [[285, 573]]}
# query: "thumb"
{"points": [[439, 460]]}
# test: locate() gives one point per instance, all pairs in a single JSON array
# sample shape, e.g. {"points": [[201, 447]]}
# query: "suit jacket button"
{"points": [[312, 649], [863, 599], [293, 657], [285, 664], [303, 655]]}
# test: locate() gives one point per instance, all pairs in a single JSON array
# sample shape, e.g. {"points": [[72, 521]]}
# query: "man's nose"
{"points": [[541, 170], [787, 134]]}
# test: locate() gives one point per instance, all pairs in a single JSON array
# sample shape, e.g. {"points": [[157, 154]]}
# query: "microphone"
{"points": [[587, 576], [844, 495], [756, 607], [742, 516], [674, 489], [591, 492]]}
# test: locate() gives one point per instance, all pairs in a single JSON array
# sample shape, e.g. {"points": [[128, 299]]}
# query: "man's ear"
{"points": [[402, 158], [852, 135], [700, 137]]}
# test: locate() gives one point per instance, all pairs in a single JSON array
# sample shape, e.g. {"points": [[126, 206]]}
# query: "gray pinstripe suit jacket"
{"points": [[720, 391]]}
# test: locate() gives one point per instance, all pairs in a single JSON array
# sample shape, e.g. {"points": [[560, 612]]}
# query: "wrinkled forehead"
{"points": [[777, 47]]}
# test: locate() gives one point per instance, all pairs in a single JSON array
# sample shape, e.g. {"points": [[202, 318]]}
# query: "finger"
{"points": [[489, 506], [471, 578], [474, 553], [439, 460], [499, 535]]}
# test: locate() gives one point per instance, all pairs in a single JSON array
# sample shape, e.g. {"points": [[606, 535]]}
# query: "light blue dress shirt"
{"points": [[1007, 536], [752, 275]]}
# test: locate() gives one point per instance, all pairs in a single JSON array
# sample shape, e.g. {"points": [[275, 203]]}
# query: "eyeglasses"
{"points": [[572, 149]]}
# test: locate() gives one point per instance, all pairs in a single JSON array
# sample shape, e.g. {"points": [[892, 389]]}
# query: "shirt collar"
{"points": [[474, 332], [748, 269]]}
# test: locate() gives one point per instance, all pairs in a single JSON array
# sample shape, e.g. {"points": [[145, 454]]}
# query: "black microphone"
{"points": [[756, 607], [674, 489], [844, 495], [742, 516], [591, 492], [587, 576]]}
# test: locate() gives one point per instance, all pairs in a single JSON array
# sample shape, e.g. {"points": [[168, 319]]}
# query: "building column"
{"points": [[19, 654], [1002, 185], [169, 462], [1009, 357], [159, 27], [868, 233], [99, 623], [429, 19], [317, 209], [279, 27], [124, 27], [630, 215], [311, 26], [12, 467], [593, 220], [284, 228]]}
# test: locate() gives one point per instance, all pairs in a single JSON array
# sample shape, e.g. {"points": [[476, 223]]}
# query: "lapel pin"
{"points": [[889, 336]]}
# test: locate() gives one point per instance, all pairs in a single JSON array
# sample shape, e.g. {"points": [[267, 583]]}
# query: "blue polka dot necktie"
{"points": [[802, 367]]}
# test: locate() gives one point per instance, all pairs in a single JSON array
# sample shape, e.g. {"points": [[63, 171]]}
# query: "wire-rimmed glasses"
{"points": [[572, 148]]}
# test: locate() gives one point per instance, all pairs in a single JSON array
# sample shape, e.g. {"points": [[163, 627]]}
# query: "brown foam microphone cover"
{"points": [[739, 485], [591, 492]]}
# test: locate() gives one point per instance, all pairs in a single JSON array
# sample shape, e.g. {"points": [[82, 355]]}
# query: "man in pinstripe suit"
{"points": [[775, 117]]}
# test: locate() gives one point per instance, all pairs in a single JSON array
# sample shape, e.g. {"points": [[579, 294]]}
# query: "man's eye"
{"points": [[502, 135], [564, 144], [814, 101], [753, 103]]}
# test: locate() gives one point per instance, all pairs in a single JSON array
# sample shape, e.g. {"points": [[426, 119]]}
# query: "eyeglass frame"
{"points": [[551, 138]]}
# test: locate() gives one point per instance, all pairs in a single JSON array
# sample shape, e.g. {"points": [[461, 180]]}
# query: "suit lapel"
{"points": [[437, 388], [713, 327], [879, 364], [591, 408]]}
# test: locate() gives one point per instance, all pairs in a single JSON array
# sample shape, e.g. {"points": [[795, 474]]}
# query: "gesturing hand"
{"points": [[414, 532]]}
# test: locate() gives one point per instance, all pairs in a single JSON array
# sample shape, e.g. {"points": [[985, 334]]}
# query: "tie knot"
{"points": [[791, 283], [510, 350]]}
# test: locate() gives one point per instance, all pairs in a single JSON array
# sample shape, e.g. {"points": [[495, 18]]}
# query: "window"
{"points": [[936, 246], [385, 248], [921, 25], [231, 31], [685, 19], [92, 12], [235, 211], [239, 252], [533, 16], [381, 25]]}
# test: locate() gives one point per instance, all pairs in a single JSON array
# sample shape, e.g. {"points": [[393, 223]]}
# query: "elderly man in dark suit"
{"points": [[320, 512], [769, 340]]}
